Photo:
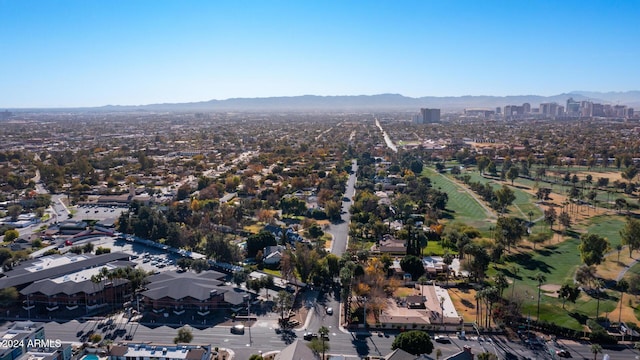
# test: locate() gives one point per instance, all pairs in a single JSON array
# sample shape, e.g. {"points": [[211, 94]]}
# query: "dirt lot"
{"points": [[465, 303]]}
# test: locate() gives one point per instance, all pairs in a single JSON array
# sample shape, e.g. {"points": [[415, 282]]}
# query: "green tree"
{"points": [[11, 235], [255, 357], [592, 248], [550, 216], [315, 231], [185, 263], [14, 211], [319, 346], [512, 174], [283, 303], [332, 208], [509, 231], [200, 265], [95, 338], [184, 336], [416, 166], [595, 350], [413, 265], [504, 197], [8, 296], [414, 342], [630, 235], [305, 261], [257, 242], [102, 250], [482, 162], [568, 292]]}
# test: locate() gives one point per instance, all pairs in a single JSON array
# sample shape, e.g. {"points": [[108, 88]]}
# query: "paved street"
{"points": [[340, 230]]}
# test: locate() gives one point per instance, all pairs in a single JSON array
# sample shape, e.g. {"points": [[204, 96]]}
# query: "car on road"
{"points": [[329, 311], [237, 329], [442, 339], [563, 353], [310, 336]]}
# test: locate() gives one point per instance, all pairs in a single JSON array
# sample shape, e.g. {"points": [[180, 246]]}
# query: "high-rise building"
{"points": [[573, 107], [526, 108], [597, 110], [586, 109], [551, 109], [430, 115]]}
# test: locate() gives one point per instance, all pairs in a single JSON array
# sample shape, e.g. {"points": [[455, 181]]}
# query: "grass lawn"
{"points": [[272, 272], [254, 228], [434, 248], [462, 206]]}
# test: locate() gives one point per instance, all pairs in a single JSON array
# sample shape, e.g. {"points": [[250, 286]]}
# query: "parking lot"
{"points": [[100, 213], [148, 258]]}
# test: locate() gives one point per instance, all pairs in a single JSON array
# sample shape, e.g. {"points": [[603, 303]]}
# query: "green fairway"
{"points": [[608, 227], [461, 205]]}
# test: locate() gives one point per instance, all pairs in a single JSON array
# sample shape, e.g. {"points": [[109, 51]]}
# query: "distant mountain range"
{"points": [[382, 102]]}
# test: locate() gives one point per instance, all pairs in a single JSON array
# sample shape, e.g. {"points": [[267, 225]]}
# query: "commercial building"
{"points": [[26, 340], [177, 293], [145, 351], [46, 284]]}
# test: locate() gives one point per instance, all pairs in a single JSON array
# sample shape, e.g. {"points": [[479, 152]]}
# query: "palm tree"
{"points": [[596, 349], [447, 258], [501, 282], [540, 278], [598, 284], [491, 296], [514, 270], [623, 286], [479, 296], [323, 331]]}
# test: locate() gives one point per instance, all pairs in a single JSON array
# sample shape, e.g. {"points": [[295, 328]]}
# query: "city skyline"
{"points": [[77, 54]]}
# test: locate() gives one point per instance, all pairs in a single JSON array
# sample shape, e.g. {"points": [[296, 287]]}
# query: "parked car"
{"points": [[442, 339], [329, 311]]}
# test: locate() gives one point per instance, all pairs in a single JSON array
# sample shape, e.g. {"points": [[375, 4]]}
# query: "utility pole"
{"points": [[248, 316], [364, 317]]}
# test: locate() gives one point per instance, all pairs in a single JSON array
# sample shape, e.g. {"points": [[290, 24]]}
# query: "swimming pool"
{"points": [[90, 357]]}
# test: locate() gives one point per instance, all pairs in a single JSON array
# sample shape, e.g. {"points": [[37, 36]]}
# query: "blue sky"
{"points": [[129, 52]]}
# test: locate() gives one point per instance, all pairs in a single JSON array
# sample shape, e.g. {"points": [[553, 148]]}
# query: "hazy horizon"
{"points": [[89, 54]]}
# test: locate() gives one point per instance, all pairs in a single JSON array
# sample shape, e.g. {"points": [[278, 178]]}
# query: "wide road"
{"points": [[263, 337]]}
